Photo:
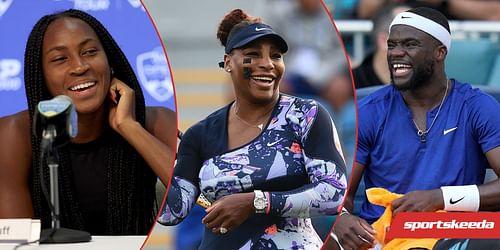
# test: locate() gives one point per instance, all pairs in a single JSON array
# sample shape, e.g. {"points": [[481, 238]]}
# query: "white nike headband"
{"points": [[426, 25]]}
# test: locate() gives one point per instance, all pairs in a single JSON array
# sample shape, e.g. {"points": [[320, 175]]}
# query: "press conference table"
{"points": [[98, 242]]}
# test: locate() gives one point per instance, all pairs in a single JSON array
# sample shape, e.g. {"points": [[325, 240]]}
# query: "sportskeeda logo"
{"points": [[453, 224]]}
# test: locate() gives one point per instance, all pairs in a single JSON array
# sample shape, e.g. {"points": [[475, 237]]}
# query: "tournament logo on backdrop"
{"points": [[92, 5], [4, 6], [136, 4], [10, 79], [153, 72]]}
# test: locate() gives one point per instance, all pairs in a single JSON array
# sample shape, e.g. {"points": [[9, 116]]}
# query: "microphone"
{"points": [[55, 120]]}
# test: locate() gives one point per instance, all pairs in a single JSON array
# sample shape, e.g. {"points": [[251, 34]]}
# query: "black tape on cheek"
{"points": [[247, 72]]}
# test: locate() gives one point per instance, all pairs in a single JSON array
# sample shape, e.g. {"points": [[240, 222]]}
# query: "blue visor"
{"points": [[251, 33]]}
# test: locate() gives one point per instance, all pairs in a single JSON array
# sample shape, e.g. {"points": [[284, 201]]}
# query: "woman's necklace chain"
{"points": [[260, 124], [423, 134]]}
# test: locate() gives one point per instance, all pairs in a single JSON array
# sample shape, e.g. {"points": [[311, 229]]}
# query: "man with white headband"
{"points": [[426, 136]]}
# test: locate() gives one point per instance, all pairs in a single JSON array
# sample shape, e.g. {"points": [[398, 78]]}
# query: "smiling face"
{"points": [[266, 66], [75, 64], [411, 57]]}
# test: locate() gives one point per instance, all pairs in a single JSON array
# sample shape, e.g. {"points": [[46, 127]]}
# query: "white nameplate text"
{"points": [[16, 231]]}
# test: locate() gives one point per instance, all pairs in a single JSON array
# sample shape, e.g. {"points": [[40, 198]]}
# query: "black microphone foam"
{"points": [[56, 118]]}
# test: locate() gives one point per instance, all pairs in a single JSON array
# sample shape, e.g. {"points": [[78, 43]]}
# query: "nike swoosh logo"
{"points": [[455, 202], [446, 131], [270, 144], [405, 17], [260, 29]]}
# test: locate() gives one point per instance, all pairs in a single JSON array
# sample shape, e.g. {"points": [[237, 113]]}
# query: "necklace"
{"points": [[423, 134], [259, 125]]}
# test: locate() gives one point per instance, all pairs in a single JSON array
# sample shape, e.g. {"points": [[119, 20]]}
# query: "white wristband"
{"points": [[461, 198]]}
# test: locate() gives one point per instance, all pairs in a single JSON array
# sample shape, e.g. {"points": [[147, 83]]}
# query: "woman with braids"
{"points": [[266, 162], [108, 171]]}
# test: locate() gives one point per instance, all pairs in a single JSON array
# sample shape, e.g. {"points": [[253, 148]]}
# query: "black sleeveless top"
{"points": [[89, 167]]}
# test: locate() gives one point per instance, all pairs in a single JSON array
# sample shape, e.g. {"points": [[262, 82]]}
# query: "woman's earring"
{"points": [[112, 72], [228, 70]]}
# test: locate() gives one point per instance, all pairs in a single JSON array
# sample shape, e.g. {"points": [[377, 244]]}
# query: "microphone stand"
{"points": [[56, 234]]}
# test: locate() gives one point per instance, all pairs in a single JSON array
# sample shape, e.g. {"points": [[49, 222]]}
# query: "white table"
{"points": [[98, 242]]}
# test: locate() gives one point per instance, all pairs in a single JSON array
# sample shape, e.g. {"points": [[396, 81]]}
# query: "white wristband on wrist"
{"points": [[461, 198]]}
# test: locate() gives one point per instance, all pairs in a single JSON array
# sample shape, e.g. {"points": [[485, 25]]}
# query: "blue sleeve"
{"points": [[325, 167], [365, 134], [485, 113], [183, 190]]}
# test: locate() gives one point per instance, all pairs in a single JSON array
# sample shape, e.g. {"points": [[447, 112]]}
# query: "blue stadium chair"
{"points": [[471, 61], [495, 74], [491, 90]]}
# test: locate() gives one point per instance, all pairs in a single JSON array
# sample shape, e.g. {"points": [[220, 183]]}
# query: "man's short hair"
{"points": [[383, 18], [433, 15]]}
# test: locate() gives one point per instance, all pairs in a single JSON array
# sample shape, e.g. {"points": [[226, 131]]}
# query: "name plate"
{"points": [[16, 231]]}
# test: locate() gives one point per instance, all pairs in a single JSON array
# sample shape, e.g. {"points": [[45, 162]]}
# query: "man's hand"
{"points": [[419, 201]]}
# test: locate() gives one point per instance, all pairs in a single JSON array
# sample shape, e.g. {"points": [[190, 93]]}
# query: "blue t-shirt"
{"points": [[467, 127]]}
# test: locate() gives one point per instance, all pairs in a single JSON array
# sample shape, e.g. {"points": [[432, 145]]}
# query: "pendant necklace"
{"points": [[260, 124], [423, 134]]}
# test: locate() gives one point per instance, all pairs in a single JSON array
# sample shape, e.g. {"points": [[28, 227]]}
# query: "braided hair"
{"points": [[130, 181]]}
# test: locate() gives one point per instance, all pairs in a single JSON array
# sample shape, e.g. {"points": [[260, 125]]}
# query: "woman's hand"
{"points": [[229, 212], [122, 106], [354, 232]]}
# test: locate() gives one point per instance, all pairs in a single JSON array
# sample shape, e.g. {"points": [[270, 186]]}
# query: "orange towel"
{"points": [[382, 197]]}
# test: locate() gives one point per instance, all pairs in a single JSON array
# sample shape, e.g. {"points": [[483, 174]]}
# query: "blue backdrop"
{"points": [[127, 22]]}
